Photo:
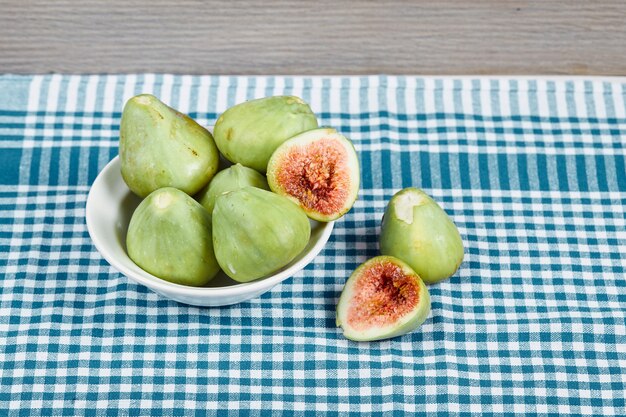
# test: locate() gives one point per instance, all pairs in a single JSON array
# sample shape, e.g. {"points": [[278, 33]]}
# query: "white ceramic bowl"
{"points": [[110, 205]]}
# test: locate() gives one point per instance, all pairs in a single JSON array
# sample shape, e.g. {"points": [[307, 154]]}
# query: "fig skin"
{"points": [[169, 236], [350, 182], [249, 132], [416, 230], [405, 324], [257, 232], [232, 178], [161, 147]]}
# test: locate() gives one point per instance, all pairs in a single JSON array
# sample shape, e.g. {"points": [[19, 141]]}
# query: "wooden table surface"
{"points": [[313, 37]]}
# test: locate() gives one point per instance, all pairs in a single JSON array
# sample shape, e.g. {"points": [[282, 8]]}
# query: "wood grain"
{"points": [[321, 37]]}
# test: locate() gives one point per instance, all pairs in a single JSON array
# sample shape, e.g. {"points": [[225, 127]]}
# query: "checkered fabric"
{"points": [[533, 324]]}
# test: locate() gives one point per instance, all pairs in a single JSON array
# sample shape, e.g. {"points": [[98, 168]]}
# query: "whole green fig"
{"points": [[169, 236], [257, 232], [160, 147], [416, 230], [230, 179], [249, 132]]}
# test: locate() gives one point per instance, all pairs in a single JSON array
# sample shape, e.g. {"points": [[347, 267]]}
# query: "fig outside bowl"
{"points": [[110, 205]]}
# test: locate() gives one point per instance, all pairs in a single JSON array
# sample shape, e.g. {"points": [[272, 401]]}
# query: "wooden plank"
{"points": [[322, 37]]}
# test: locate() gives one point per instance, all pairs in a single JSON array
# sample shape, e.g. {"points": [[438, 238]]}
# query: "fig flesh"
{"points": [[249, 132], [230, 179], [418, 231], [319, 170], [161, 147], [257, 232], [169, 236], [383, 298]]}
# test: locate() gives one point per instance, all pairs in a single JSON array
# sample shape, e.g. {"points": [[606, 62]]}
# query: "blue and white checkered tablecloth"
{"points": [[533, 324]]}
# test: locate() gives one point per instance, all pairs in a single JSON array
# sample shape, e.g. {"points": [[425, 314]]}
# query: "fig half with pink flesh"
{"points": [[318, 170], [383, 298]]}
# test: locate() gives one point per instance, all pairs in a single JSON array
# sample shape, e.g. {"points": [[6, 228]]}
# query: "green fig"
{"points": [[383, 298], [160, 147], [257, 232], [319, 170], [169, 236], [249, 132], [416, 230], [230, 179]]}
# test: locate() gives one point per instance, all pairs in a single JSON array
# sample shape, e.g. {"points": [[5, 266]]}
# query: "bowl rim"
{"points": [[154, 282]]}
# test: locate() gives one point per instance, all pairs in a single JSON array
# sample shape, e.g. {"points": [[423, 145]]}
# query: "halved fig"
{"points": [[383, 298], [319, 170], [418, 231]]}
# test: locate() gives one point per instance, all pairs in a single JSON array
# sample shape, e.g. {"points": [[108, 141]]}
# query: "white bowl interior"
{"points": [[110, 206]]}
